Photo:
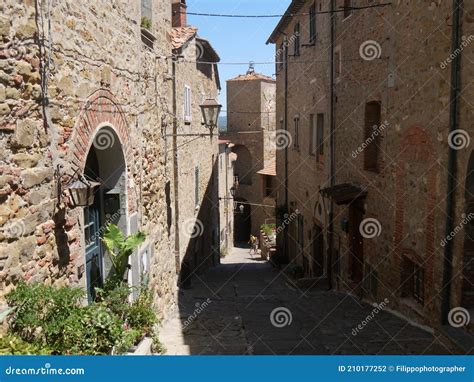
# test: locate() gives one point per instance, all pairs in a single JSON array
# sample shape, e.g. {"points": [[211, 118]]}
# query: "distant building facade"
{"points": [[227, 186], [380, 188], [251, 128]]}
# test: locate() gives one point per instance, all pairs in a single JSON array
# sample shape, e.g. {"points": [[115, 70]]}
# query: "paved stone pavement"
{"points": [[228, 310]]}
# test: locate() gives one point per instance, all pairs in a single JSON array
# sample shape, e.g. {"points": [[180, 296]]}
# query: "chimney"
{"points": [[178, 8]]}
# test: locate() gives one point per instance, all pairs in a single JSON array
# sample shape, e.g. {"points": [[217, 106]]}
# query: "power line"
{"points": [[343, 9], [272, 62]]}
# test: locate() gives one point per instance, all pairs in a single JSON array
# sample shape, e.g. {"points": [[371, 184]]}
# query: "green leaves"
{"points": [[120, 248]]}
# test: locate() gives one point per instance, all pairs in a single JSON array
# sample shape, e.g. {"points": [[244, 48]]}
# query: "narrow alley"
{"points": [[229, 309]]}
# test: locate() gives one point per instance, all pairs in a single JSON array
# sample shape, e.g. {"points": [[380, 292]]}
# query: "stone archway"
{"points": [[100, 109], [101, 150]]}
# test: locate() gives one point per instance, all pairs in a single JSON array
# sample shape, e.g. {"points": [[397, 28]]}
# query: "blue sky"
{"points": [[237, 39]]}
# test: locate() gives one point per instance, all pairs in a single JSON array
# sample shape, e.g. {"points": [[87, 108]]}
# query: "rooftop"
{"points": [[252, 76], [181, 35], [269, 169]]}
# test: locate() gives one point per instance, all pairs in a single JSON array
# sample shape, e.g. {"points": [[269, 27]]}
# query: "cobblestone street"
{"points": [[242, 294]]}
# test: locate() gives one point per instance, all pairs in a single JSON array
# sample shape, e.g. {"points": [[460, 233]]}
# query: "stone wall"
{"points": [[406, 69], [198, 219], [93, 70]]}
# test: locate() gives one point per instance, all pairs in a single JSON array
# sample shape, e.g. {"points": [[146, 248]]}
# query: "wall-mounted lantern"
{"points": [[81, 191], [210, 111], [232, 191]]}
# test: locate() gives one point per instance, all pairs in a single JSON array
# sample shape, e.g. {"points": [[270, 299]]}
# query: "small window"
{"points": [[413, 280], [296, 143], [196, 186], [347, 8], [146, 23], [320, 135], [312, 135], [187, 104], [268, 191], [147, 14], [296, 43], [372, 136], [312, 23], [337, 63]]}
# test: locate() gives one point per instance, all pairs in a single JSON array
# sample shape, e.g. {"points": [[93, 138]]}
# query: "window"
{"points": [[337, 63], [413, 280], [196, 186], [146, 23], [347, 8], [268, 185], [372, 136], [312, 135], [147, 14], [312, 24], [187, 104], [296, 143], [296, 45], [280, 56], [320, 135]]}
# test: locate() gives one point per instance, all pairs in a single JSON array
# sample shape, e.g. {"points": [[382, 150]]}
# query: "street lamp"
{"points": [[210, 111], [81, 191]]}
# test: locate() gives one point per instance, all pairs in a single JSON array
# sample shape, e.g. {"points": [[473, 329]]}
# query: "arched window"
{"points": [[372, 136]]}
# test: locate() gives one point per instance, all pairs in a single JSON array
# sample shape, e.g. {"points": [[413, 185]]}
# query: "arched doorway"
{"points": [[105, 164], [242, 222], [468, 253], [243, 168]]}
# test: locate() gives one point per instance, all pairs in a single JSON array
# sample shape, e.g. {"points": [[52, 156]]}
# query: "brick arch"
{"points": [[100, 109], [416, 146]]}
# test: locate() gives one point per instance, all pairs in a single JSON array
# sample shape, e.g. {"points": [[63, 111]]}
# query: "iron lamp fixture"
{"points": [[210, 110], [81, 190]]}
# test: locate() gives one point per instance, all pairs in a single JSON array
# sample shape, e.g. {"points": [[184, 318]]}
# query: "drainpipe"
{"points": [[285, 63], [332, 146], [175, 170], [451, 184]]}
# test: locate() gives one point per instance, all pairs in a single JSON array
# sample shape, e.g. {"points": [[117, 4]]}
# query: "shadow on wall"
{"points": [[203, 247]]}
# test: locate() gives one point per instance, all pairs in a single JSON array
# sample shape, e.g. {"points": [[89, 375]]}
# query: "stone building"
{"points": [[251, 128], [197, 206], [395, 184], [226, 200], [87, 90]]}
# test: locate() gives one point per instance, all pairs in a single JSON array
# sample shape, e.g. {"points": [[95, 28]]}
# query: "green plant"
{"points": [[41, 312], [14, 345], [268, 229], [145, 23], [93, 330], [114, 295], [120, 248], [141, 315]]}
